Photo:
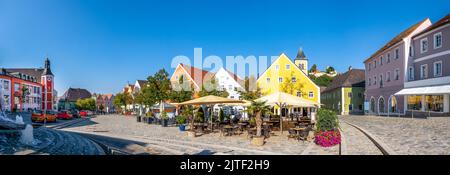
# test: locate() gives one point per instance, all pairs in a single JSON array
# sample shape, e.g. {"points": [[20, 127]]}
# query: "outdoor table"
{"points": [[228, 129], [298, 130]]}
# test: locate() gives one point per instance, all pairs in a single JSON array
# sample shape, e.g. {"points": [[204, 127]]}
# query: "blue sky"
{"points": [[102, 44]]}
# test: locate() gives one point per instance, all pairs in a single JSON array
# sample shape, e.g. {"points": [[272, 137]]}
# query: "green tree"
{"points": [[329, 70], [101, 107], [181, 90], [252, 91], [122, 99], [258, 109], [158, 89], [323, 80], [85, 104]]}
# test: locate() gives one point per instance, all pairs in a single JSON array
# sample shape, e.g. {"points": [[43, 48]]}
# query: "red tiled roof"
{"points": [[397, 39], [440, 23], [196, 71]]}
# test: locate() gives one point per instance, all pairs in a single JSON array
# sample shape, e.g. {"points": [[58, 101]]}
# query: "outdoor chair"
{"points": [[292, 134]]}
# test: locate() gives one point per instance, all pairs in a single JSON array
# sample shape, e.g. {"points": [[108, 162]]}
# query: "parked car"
{"points": [[75, 113], [64, 115], [90, 113], [83, 113], [39, 116]]}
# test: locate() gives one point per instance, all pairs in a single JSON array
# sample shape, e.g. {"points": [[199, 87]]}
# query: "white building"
{"points": [[232, 84]]}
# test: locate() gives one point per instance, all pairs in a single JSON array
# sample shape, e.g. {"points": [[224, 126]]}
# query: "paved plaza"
{"points": [[407, 135], [126, 127]]}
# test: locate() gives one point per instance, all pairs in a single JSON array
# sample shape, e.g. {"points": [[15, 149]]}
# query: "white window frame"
{"points": [[268, 79], [434, 40], [369, 66], [294, 79], [375, 64], [410, 73], [375, 80], [397, 74], [288, 66], [280, 79], [370, 81], [411, 51], [423, 75], [311, 94], [421, 45], [298, 92], [381, 60], [277, 67], [434, 69], [388, 57], [396, 53]]}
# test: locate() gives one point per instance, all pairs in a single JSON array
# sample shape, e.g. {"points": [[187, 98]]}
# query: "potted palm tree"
{"points": [[258, 109], [164, 119], [181, 120]]}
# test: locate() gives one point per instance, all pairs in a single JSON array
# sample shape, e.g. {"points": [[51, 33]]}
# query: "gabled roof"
{"points": [[34, 72], [398, 38], [235, 77], [142, 83], [73, 94], [193, 71], [441, 22], [351, 78]]}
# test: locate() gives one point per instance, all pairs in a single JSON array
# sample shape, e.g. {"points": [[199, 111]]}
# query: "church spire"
{"points": [[301, 55], [47, 70]]}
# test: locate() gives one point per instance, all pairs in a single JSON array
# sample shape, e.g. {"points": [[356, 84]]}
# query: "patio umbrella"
{"points": [[210, 100], [282, 99]]}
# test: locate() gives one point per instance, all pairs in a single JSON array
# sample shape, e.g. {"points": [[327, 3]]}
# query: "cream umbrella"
{"points": [[282, 99], [211, 100]]}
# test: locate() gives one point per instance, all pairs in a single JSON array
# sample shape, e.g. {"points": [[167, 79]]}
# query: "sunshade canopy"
{"points": [[444, 89], [210, 99], [278, 98]]}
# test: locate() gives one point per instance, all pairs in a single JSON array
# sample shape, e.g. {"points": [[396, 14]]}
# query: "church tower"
{"points": [[47, 84], [301, 61]]}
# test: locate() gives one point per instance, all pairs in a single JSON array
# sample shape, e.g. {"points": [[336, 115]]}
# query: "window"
{"points": [[388, 76], [6, 98], [370, 81], [299, 94], [230, 87], [415, 102], [423, 71], [397, 53], [438, 69], [268, 80], [381, 80], [375, 64], [16, 86], [381, 60], [411, 51], [411, 73], [388, 60], [350, 107], [350, 95], [437, 40], [423, 45], [280, 79], [434, 103], [294, 80], [397, 74], [288, 66], [370, 65], [311, 94], [277, 67], [302, 66], [6, 85], [375, 80]]}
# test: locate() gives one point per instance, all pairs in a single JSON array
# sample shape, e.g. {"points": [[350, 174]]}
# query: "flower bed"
{"points": [[328, 138]]}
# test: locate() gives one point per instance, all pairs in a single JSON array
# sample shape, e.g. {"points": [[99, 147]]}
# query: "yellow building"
{"points": [[283, 75]]}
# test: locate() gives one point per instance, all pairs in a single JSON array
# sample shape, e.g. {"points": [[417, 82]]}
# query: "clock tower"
{"points": [[47, 87]]}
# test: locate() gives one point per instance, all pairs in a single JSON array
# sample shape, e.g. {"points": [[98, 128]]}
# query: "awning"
{"points": [[444, 89], [277, 98]]}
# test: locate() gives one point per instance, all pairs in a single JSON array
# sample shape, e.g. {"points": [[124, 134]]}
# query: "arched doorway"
{"points": [[372, 105], [393, 104], [381, 105]]}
